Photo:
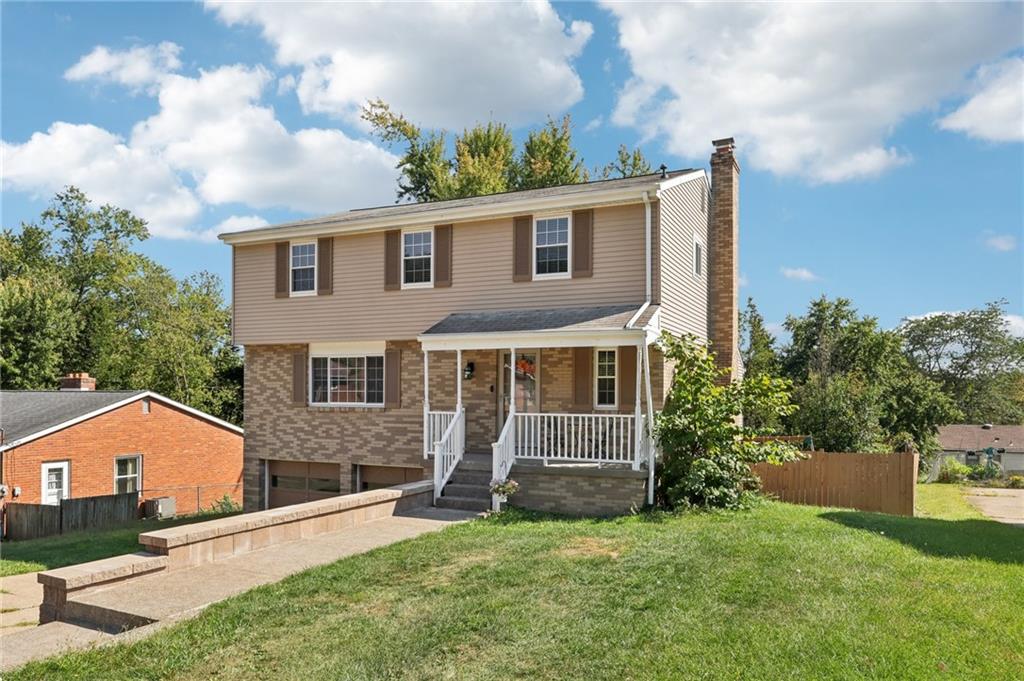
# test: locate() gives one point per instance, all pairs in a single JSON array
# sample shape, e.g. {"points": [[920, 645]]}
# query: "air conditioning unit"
{"points": [[160, 507]]}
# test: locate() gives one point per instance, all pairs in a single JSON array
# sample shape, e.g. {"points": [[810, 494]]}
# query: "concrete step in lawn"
{"points": [[464, 503]]}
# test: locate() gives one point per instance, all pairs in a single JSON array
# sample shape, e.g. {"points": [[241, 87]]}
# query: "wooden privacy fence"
{"points": [[867, 482], [30, 521]]}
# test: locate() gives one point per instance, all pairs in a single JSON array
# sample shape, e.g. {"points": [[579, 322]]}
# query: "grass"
{"points": [[780, 591], [32, 555], [937, 500]]}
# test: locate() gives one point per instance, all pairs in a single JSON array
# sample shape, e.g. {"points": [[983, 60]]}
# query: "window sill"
{"points": [[559, 275], [425, 284], [322, 406], [301, 294]]}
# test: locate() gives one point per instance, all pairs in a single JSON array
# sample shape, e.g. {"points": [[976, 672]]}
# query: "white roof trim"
{"points": [[431, 215], [117, 405], [679, 179], [571, 338]]}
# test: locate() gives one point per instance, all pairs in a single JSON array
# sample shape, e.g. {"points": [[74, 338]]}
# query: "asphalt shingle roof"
{"points": [[969, 437], [25, 412], [575, 190], [553, 319]]}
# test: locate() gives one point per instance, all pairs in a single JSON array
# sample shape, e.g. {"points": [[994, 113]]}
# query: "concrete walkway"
{"points": [[1004, 505], [171, 596], [20, 596]]}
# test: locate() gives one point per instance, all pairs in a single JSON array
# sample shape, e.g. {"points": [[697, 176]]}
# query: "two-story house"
{"points": [[508, 335]]}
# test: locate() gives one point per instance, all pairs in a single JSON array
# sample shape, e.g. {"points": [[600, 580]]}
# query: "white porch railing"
{"points": [[448, 451], [437, 423], [503, 455], [583, 438]]}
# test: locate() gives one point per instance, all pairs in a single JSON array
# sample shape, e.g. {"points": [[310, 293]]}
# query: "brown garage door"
{"points": [[293, 482], [375, 477]]}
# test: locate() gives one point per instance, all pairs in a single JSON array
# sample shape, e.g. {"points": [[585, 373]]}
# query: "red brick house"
{"points": [[80, 442]]}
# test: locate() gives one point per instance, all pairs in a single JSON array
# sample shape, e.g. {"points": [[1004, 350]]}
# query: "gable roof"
{"points": [[430, 212], [26, 415], [969, 437]]}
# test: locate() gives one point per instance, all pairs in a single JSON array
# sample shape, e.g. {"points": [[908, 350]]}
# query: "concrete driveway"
{"points": [[1004, 505]]}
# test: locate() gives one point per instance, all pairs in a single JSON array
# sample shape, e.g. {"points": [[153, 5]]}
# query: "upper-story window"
{"points": [[605, 378], [303, 268], [417, 258], [698, 258], [551, 247]]}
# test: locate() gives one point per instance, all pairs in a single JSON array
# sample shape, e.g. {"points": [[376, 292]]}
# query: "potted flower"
{"points": [[503, 489]]}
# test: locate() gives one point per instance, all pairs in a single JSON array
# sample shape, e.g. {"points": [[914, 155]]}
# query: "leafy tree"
{"points": [[760, 358], [856, 389], [974, 357], [707, 454], [549, 159], [75, 295], [626, 164], [425, 169]]}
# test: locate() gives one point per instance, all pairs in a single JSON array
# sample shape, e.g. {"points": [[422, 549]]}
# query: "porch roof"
{"points": [[551, 327]]}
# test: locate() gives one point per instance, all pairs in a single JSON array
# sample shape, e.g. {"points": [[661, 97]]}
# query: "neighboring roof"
{"points": [[29, 414], [552, 319], [966, 437], [425, 211]]}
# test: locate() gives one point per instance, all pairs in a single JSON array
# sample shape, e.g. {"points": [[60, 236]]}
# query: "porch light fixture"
{"points": [[467, 373]]}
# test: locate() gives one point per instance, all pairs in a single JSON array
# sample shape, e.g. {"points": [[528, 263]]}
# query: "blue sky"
{"points": [[881, 147]]}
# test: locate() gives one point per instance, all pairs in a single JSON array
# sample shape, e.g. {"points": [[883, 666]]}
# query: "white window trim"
{"points": [[615, 404], [316, 274], [336, 355], [533, 250], [401, 258], [702, 260], [65, 491], [137, 476]]}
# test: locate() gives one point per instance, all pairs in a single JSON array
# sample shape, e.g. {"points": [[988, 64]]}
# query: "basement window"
{"points": [[127, 474]]}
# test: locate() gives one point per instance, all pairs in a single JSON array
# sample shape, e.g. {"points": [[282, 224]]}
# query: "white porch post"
{"points": [[512, 383], [426, 404], [650, 425], [458, 380], [638, 425]]}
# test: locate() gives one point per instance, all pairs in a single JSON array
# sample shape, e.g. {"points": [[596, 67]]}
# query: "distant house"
{"points": [[967, 444], [80, 442]]}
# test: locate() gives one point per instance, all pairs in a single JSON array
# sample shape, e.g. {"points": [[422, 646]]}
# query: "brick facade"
{"points": [[723, 255], [579, 491], [277, 429], [184, 456]]}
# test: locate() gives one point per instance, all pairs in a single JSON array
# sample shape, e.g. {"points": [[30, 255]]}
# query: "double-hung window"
{"points": [[351, 380], [605, 378], [127, 474], [303, 268], [417, 258], [551, 247]]}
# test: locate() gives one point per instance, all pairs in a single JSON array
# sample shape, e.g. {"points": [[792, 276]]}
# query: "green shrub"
{"points": [[1015, 481], [953, 471], [225, 505], [985, 471]]}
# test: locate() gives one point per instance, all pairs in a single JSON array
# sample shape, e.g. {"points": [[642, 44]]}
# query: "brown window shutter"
{"points": [[299, 374], [582, 243], [392, 378], [442, 256], [281, 271], [583, 378], [625, 376], [392, 259], [522, 248], [325, 266]]}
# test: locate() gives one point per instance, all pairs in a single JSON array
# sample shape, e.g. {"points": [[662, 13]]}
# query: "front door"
{"points": [[527, 387], [56, 482]]}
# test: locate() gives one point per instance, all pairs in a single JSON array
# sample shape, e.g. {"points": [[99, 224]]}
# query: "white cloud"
{"points": [[593, 124], [1016, 324], [1003, 243], [996, 111], [799, 274], [105, 168], [234, 223], [140, 67], [808, 90], [441, 64], [212, 130]]}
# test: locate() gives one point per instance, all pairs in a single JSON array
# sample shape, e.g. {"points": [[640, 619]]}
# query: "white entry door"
{"points": [[56, 482]]}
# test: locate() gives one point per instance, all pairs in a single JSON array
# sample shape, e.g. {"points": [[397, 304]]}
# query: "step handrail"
{"points": [[448, 451], [503, 454]]}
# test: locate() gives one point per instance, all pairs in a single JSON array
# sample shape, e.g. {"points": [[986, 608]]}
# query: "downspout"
{"points": [[647, 247], [645, 355]]}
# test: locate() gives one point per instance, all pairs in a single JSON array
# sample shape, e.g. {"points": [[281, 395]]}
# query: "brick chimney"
{"points": [[78, 380], [723, 256]]}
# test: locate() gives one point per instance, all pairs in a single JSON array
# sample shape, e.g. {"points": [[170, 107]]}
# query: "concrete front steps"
{"points": [[469, 487]]}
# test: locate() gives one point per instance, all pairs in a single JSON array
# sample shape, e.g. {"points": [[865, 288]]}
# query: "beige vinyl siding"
{"points": [[361, 309], [684, 297]]}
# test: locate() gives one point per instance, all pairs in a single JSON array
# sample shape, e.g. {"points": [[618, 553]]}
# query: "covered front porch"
{"points": [[569, 388]]}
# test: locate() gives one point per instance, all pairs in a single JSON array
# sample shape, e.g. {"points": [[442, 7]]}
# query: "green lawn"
{"points": [[17, 557], [777, 592], [944, 501]]}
